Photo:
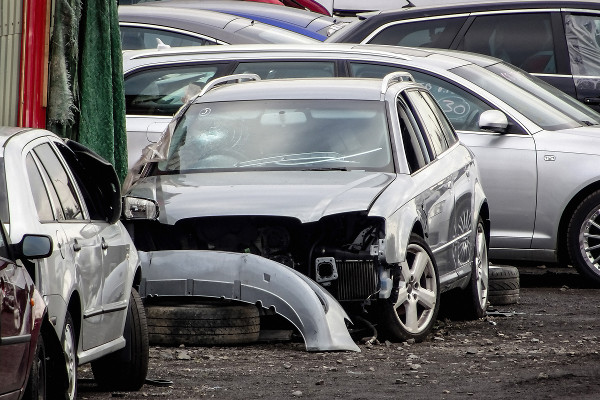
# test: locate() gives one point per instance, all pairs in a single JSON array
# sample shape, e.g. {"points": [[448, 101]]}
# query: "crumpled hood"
{"points": [[306, 195]]}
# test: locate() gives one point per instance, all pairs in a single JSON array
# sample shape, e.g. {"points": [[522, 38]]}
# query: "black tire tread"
{"points": [[504, 285], [203, 324]]}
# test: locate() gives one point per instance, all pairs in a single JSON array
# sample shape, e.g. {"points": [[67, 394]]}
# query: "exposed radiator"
{"points": [[357, 279]]}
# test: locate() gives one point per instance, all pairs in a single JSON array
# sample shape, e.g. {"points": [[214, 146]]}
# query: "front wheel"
{"points": [[36, 385], [126, 369], [477, 290], [412, 309], [584, 237], [62, 384]]}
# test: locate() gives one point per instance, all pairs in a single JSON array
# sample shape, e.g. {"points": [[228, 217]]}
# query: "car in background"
{"points": [[307, 23], [61, 189], [558, 41], [147, 26], [537, 147], [359, 184], [22, 310]]}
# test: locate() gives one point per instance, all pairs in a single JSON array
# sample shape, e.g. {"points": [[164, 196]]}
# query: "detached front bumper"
{"points": [[251, 279]]}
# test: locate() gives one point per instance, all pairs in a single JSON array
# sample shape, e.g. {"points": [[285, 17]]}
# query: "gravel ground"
{"points": [[544, 347]]}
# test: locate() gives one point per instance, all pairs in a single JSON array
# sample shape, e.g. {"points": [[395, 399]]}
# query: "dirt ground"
{"points": [[544, 347]]}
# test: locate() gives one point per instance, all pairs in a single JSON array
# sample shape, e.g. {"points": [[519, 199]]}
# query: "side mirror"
{"points": [[33, 247], [493, 120], [139, 208]]}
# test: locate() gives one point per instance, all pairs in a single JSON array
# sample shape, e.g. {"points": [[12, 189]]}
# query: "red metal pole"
{"points": [[34, 63]]}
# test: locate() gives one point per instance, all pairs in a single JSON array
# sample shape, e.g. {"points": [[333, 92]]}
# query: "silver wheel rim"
{"points": [[481, 266], [589, 239], [463, 253], [417, 295], [70, 363]]}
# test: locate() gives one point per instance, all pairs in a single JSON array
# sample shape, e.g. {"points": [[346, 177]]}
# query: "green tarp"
{"points": [[86, 100]]}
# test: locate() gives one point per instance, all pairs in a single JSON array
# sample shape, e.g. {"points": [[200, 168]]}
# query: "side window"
{"points": [[522, 39], [162, 91], [583, 41], [415, 148], [135, 38], [447, 129], [60, 181], [288, 69], [428, 121], [461, 107], [429, 33], [40, 195]]}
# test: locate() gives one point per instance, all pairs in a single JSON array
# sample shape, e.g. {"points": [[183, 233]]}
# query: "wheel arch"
{"points": [[74, 308], [563, 226], [484, 213]]}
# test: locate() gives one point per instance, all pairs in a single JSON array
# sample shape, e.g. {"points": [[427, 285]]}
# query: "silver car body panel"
{"points": [[99, 277], [250, 279], [525, 219]]}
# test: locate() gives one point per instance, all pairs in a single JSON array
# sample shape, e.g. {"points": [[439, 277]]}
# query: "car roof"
{"points": [[226, 27], [373, 20], [9, 132], [297, 89], [306, 22], [446, 59]]}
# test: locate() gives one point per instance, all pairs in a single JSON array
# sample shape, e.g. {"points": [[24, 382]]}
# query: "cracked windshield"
{"points": [[281, 134]]}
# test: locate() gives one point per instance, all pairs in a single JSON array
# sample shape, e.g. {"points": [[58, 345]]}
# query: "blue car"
{"points": [[308, 23]]}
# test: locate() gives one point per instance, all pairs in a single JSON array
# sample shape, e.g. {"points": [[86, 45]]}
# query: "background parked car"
{"points": [[304, 22], [22, 310], [559, 41], [142, 25], [359, 184], [537, 157], [63, 190]]}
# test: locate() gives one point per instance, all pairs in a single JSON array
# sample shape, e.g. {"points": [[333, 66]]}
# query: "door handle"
{"points": [[591, 100], [104, 244], [76, 245]]}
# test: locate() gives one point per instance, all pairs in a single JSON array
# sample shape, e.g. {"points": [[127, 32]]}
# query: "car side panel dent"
{"points": [[251, 279]]}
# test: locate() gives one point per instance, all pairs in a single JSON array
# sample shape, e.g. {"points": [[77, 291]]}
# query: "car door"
{"points": [[82, 247], [434, 181], [99, 185], [508, 158], [15, 322]]}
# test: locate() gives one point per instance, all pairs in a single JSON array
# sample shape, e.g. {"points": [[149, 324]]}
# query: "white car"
{"points": [[63, 190]]}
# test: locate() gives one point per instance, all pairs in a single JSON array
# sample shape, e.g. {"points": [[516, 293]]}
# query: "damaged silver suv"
{"points": [[291, 194]]}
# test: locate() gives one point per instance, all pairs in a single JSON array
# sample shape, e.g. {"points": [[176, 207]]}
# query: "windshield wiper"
{"points": [[326, 169]]}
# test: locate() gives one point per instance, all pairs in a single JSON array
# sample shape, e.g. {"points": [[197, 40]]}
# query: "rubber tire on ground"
{"points": [[36, 385], [127, 368], [203, 324], [62, 377], [504, 285], [393, 323], [590, 204]]}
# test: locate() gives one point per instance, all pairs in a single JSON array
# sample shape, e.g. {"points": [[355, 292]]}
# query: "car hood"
{"points": [[305, 195], [584, 140]]}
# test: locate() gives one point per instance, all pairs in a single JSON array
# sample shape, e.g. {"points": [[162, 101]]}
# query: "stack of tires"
{"points": [[503, 285]]}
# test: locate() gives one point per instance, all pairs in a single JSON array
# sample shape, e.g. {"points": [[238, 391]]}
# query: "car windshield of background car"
{"points": [[271, 34], [548, 93], [281, 134], [540, 112]]}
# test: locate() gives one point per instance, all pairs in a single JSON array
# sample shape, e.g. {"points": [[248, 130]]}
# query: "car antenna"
{"points": [[160, 45], [409, 4]]}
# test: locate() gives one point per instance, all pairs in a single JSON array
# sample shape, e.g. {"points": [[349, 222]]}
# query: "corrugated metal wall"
{"points": [[11, 15]]}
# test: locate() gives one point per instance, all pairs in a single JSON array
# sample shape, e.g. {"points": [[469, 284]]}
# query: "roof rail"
{"points": [[238, 77], [395, 77]]}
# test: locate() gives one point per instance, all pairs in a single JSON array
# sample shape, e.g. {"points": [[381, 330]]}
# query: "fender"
{"points": [[251, 279]]}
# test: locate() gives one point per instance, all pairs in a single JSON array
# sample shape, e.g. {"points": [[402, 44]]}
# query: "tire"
{"points": [[63, 382], [203, 324], [36, 385], [504, 285], [476, 294], [416, 293], [583, 238], [127, 368]]}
